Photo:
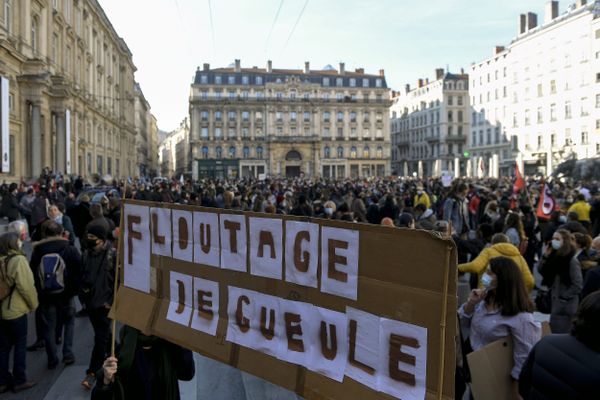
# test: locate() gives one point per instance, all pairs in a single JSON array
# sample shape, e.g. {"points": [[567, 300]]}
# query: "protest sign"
{"points": [[327, 309]]}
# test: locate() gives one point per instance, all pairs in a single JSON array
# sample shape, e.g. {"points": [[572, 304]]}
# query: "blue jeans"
{"points": [[52, 312], [13, 333]]}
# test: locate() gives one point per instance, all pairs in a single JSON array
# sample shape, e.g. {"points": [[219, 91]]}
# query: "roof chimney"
{"points": [[427, 81], [238, 66], [580, 3], [269, 66], [462, 71], [522, 23], [420, 83], [342, 69], [306, 67], [551, 11], [498, 49], [360, 70], [407, 88], [206, 66], [531, 20], [382, 72], [439, 73]]}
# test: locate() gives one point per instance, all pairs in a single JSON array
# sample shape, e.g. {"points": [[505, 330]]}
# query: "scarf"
{"points": [[131, 341], [557, 265]]}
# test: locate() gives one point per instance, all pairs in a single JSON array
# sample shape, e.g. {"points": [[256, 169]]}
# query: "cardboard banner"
{"points": [[328, 309]]}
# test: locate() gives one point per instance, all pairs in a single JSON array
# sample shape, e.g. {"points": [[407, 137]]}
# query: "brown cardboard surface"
{"points": [[135, 308], [490, 369], [404, 274]]}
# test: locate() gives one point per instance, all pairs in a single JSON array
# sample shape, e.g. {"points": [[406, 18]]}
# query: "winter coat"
{"points": [[591, 282], [582, 208], [98, 276], [560, 367], [480, 263], [455, 212], [24, 297], [11, 207], [426, 221], [72, 259], [566, 286]]}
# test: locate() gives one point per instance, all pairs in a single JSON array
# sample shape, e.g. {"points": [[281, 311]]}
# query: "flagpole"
{"points": [[116, 284]]}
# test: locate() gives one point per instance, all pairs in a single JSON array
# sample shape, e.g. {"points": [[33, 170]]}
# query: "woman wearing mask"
{"points": [[21, 300], [502, 308], [561, 272], [582, 245], [56, 215], [329, 208]]}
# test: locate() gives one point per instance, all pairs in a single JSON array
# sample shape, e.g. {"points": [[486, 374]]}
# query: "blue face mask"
{"points": [[562, 219], [486, 280], [556, 244]]}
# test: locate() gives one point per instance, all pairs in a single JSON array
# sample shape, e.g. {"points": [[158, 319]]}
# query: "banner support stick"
{"points": [[117, 274]]}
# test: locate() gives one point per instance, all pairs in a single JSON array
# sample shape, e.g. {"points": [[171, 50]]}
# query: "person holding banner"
{"points": [[145, 367], [502, 308]]}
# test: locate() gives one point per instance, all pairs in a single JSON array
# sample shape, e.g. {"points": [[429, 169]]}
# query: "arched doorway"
{"points": [[293, 160]]}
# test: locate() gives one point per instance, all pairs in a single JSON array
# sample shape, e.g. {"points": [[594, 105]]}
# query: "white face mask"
{"points": [[556, 244], [328, 210], [486, 280], [562, 219]]}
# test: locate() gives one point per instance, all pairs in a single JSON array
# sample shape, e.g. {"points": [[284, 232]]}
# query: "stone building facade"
{"points": [[288, 122], [71, 89], [174, 152], [429, 126]]}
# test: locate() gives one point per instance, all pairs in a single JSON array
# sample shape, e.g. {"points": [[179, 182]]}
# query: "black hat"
{"points": [[98, 231]]}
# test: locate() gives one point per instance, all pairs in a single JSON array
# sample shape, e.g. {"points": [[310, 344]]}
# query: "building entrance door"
{"points": [[292, 171]]}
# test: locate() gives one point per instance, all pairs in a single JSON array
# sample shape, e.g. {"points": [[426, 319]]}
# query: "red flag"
{"points": [[546, 203], [518, 186]]}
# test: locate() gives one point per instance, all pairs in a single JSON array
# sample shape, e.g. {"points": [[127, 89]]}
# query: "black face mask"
{"points": [[89, 243]]}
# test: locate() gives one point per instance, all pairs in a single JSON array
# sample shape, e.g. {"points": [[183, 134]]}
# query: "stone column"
{"points": [[456, 167], [469, 168], [496, 166], [36, 141], [549, 165], [405, 169], [420, 169], [61, 143]]}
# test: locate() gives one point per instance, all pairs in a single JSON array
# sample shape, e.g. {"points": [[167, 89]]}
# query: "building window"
{"points": [[293, 116], [584, 137], [325, 81], [365, 82], [245, 133], [231, 133], [540, 116], [553, 86], [259, 152], [245, 115], [379, 117], [203, 79], [450, 101], [8, 15], [326, 116], [379, 133], [326, 152], [231, 80], [246, 152], [204, 95], [584, 110], [204, 115], [460, 116], [34, 34], [353, 152], [352, 82], [340, 152], [232, 115], [218, 80], [527, 119], [218, 95], [378, 82], [204, 133], [258, 80], [204, 152], [340, 132], [366, 152], [279, 116], [340, 116], [326, 132], [218, 133], [245, 95], [245, 80], [306, 116], [54, 47], [232, 152], [219, 152], [553, 112], [260, 96], [218, 115], [379, 153], [231, 95], [567, 109], [339, 97], [339, 82], [99, 165]]}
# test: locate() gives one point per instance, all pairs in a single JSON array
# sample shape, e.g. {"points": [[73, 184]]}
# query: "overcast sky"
{"points": [[407, 38]]}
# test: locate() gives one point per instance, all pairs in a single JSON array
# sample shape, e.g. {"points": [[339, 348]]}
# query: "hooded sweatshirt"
{"points": [[480, 263]]}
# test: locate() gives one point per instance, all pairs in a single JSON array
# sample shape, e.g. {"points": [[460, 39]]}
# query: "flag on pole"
{"points": [[546, 203], [518, 187]]}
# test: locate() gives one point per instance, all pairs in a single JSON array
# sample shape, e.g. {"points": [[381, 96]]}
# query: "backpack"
{"points": [[52, 272], [5, 289]]}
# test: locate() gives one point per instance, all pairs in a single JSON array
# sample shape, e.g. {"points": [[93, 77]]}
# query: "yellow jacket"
{"points": [[582, 208], [422, 199], [480, 263], [24, 297]]}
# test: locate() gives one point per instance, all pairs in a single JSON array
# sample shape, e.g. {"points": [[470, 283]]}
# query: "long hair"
{"points": [[510, 293], [513, 220], [567, 246], [586, 327], [9, 242]]}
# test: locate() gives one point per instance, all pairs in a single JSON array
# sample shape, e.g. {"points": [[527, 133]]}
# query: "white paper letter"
{"points": [[180, 296], [266, 249], [183, 248], [301, 253], [205, 317], [160, 226], [339, 262], [233, 242], [206, 238], [363, 341], [137, 247]]}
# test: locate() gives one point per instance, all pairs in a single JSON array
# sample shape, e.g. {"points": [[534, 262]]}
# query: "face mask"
{"points": [[20, 244], [486, 280], [328, 210], [89, 243], [419, 192], [556, 244], [562, 219]]}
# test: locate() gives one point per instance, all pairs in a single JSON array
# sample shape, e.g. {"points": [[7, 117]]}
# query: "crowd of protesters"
{"points": [[502, 242]]}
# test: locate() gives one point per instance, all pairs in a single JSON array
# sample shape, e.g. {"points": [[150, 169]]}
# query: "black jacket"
{"points": [[98, 276], [72, 258], [591, 283], [560, 367], [10, 207]]}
